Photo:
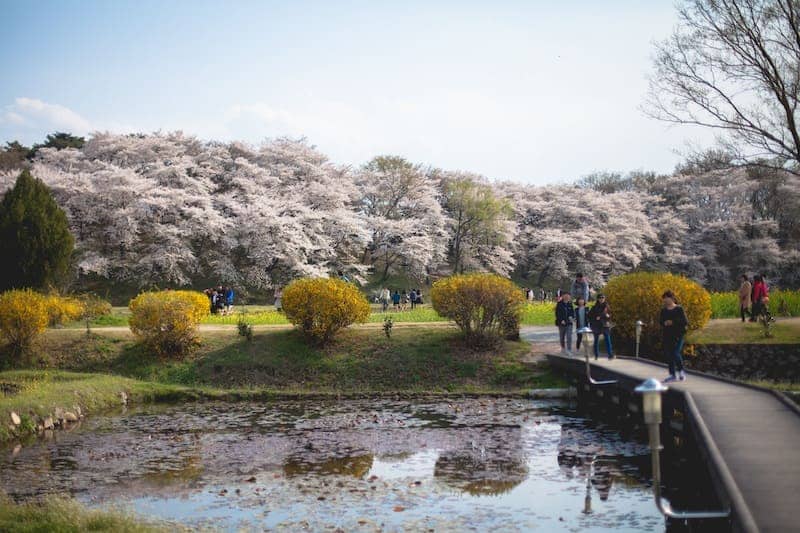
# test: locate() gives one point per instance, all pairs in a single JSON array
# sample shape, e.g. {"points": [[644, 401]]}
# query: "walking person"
{"points": [[760, 292], [600, 322], [229, 300], [396, 300], [413, 298], [581, 321], [674, 323], [745, 301], [579, 288], [386, 295], [565, 317], [278, 295]]}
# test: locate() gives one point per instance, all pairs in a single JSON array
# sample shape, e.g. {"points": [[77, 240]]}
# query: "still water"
{"points": [[475, 464]]}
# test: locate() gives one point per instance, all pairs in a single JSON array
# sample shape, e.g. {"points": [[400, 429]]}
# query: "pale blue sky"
{"points": [[532, 91]]}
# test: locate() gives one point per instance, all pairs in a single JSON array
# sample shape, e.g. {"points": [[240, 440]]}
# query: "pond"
{"points": [[390, 465]]}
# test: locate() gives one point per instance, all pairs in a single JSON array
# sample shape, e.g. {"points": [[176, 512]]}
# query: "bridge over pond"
{"points": [[748, 436]]}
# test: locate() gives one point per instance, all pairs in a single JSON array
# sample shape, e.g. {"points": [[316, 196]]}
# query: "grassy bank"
{"points": [[784, 331], [534, 314], [781, 303], [416, 358], [64, 515], [91, 372]]}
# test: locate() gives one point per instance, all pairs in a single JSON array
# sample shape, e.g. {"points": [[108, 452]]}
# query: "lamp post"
{"points": [[585, 331], [639, 325], [651, 391]]}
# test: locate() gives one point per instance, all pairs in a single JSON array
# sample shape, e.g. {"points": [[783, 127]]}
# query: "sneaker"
{"points": [[682, 376], [670, 379], [611, 357]]}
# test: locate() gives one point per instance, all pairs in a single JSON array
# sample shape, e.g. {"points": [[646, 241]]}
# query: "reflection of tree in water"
{"points": [[489, 463], [585, 453], [356, 466]]}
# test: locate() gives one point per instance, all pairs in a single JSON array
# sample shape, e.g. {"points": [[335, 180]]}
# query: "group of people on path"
{"points": [[571, 317], [220, 299], [753, 297], [672, 320], [400, 300]]}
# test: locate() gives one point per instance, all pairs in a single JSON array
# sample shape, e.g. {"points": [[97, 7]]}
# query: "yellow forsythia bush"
{"points": [[486, 307], [322, 306], [166, 321], [62, 309], [637, 296], [23, 316]]}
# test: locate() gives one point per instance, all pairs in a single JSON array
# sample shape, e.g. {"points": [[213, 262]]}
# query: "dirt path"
{"points": [[543, 339]]}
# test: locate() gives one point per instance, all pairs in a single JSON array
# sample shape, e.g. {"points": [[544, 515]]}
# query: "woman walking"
{"points": [[600, 322], [744, 297], [565, 317], [674, 323], [760, 291]]}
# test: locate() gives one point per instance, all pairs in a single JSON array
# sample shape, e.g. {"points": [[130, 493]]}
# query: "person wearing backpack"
{"points": [[600, 322], [674, 325], [565, 317]]}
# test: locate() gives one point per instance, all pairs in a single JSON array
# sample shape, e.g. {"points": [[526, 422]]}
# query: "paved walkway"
{"points": [[757, 435]]}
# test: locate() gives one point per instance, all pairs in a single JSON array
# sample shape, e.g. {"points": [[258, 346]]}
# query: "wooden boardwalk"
{"points": [[751, 438]]}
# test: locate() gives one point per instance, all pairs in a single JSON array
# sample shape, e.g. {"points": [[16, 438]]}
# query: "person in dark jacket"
{"points": [[565, 317], [674, 324], [600, 322]]}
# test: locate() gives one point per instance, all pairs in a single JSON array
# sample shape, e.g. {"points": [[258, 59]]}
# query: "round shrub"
{"points": [[486, 307], [322, 306], [62, 309], [23, 316], [637, 296], [166, 321]]}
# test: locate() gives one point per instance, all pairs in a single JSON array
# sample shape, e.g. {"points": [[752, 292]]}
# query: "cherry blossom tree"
{"points": [[401, 207]]}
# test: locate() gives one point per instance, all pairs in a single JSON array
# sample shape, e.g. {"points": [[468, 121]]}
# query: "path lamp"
{"points": [[651, 391], [639, 325], [585, 331]]}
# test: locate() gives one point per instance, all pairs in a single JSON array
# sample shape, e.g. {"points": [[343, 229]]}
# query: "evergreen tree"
{"points": [[35, 242]]}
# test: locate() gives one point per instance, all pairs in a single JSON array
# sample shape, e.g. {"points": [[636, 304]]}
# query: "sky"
{"points": [[532, 91]]}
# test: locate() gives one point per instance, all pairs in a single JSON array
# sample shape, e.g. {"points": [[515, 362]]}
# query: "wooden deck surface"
{"points": [[756, 433]]}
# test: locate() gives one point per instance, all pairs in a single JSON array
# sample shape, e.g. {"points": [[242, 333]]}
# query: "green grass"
{"points": [[534, 314], [62, 515], [784, 331], [726, 304], [416, 358], [539, 314], [36, 394]]}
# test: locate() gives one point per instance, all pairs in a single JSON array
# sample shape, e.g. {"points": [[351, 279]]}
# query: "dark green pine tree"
{"points": [[35, 242]]}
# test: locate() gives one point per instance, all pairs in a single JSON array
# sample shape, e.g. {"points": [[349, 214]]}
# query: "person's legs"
{"points": [[568, 329], [669, 351], [562, 333], [596, 335], [678, 358], [607, 336], [578, 339]]}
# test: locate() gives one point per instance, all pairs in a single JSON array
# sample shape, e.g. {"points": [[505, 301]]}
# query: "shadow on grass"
{"points": [[419, 358]]}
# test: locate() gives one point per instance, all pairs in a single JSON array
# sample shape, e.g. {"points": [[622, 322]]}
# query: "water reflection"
{"points": [[358, 465]]}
